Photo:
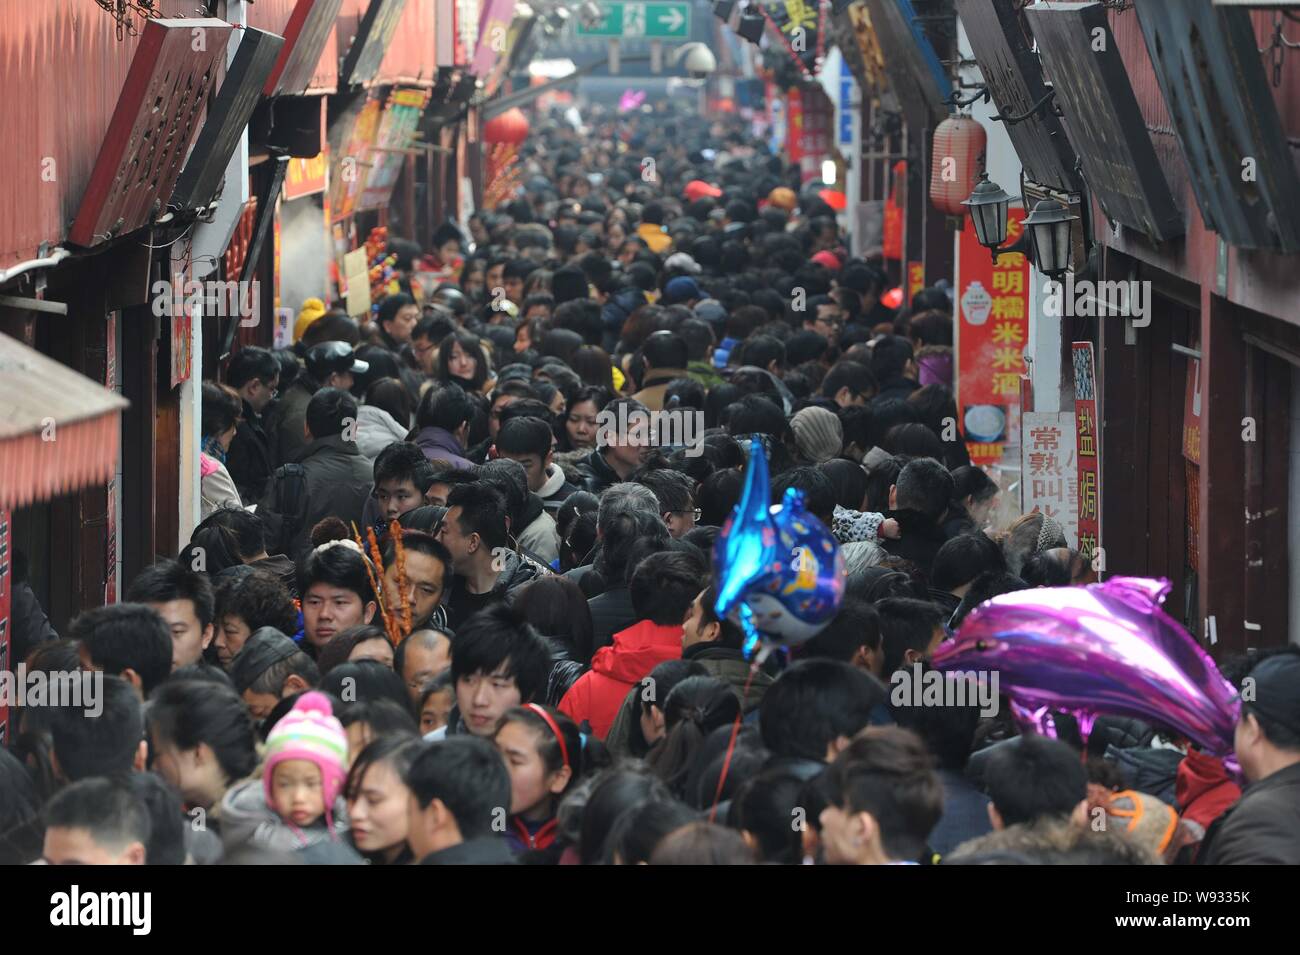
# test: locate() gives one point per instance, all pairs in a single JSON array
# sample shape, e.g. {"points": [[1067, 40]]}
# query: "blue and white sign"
{"points": [[844, 105]]}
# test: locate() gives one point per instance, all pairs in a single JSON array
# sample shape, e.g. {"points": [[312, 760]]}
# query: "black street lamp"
{"points": [[988, 204], [1049, 228]]}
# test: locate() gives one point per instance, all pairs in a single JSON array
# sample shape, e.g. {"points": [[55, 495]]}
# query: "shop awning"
{"points": [[59, 431]]}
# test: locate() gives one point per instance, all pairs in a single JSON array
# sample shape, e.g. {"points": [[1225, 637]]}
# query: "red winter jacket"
{"points": [[1203, 788], [615, 669]]}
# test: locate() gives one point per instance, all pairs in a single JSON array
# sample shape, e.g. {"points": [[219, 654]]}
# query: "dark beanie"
{"points": [[568, 284]]}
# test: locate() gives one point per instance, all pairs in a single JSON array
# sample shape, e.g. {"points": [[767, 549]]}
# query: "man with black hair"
{"points": [[332, 477], [763, 351], [96, 822], [894, 367], [715, 644], [824, 316], [402, 476], [428, 572], [167, 821], [529, 441], [852, 637], [127, 640], [1263, 827], [184, 600], [849, 383], [949, 734], [663, 587], [985, 587], [459, 789], [818, 491], [666, 358], [487, 570], [910, 631], [269, 668], [675, 493], [532, 527], [580, 315], [699, 338], [250, 533], [336, 593], [960, 560], [108, 743], [498, 661], [254, 373], [622, 440], [329, 364], [885, 800], [918, 500], [513, 278], [812, 711], [1036, 780], [444, 417]]}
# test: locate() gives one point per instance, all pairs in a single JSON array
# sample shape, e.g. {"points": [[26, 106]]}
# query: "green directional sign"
{"points": [[652, 20]]}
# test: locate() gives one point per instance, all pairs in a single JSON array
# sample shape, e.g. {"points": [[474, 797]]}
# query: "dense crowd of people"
{"points": [[526, 665]]}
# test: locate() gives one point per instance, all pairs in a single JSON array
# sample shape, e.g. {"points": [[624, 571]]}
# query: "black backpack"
{"points": [[284, 512]]}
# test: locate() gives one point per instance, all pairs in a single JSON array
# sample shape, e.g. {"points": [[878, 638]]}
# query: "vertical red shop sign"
{"points": [[915, 278], [992, 332], [794, 126], [6, 589], [1089, 448]]}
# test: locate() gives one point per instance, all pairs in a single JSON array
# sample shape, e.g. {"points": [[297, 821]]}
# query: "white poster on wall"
{"points": [[1049, 475]]}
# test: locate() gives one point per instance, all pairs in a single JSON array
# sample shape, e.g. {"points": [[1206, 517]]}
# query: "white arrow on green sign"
{"points": [[654, 20]]}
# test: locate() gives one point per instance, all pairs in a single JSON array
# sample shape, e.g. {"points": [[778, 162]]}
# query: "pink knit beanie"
{"points": [[309, 731]]}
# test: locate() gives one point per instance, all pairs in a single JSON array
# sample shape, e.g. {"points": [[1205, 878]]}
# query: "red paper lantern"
{"points": [[510, 127], [956, 163]]}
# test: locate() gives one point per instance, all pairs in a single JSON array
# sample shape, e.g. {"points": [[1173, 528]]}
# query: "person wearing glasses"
{"points": [[254, 374], [674, 492]]}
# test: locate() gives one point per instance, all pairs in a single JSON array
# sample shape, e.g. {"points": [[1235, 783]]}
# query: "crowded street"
{"points": [[526, 432]]}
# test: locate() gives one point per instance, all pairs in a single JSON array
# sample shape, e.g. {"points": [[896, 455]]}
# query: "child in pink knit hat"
{"points": [[298, 801], [306, 762]]}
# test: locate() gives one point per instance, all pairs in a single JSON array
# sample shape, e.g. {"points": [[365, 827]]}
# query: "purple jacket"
{"points": [[439, 445], [934, 366]]}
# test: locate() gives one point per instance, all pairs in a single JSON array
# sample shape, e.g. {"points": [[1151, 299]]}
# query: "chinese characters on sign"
{"points": [[992, 330], [1088, 443], [1048, 470]]}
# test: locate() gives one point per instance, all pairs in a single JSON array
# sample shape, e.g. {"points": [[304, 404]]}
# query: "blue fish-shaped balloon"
{"points": [[780, 572]]}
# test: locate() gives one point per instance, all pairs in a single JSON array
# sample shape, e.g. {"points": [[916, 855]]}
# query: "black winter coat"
{"points": [[1262, 828], [250, 461], [338, 483]]}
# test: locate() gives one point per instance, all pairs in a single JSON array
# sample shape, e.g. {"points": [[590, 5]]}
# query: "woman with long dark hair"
{"points": [[462, 361]]}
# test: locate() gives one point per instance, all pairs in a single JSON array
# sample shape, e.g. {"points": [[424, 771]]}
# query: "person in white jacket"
{"points": [[384, 418], [220, 413]]}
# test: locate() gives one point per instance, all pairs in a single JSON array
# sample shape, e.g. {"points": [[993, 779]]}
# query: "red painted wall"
{"points": [[61, 70]]}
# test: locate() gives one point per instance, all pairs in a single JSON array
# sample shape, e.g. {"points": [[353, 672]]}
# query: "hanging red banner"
{"points": [[892, 239], [992, 330], [794, 126]]}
